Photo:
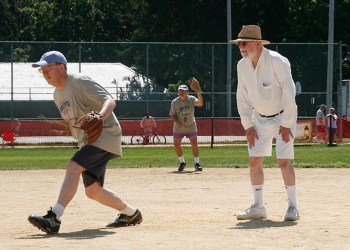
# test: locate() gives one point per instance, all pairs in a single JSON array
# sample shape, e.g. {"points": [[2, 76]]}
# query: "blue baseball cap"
{"points": [[183, 87], [50, 57]]}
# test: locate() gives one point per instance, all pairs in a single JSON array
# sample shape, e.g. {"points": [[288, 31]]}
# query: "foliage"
{"points": [[169, 21]]}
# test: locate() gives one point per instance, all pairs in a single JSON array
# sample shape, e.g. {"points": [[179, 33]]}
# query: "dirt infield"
{"points": [[181, 211]]}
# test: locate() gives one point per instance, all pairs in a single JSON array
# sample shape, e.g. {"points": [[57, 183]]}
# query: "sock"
{"points": [[58, 209], [258, 195], [181, 159], [292, 197], [196, 160], [128, 210]]}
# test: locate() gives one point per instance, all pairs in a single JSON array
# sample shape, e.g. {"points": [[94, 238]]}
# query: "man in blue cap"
{"points": [[182, 113], [75, 95]]}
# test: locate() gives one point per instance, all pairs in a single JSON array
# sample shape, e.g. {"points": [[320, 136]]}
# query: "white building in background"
{"points": [[29, 84]]}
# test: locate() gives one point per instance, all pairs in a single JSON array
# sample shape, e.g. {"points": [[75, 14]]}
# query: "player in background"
{"points": [[182, 113]]}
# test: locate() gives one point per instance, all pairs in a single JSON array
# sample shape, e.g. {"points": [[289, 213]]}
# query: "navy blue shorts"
{"points": [[94, 160]]}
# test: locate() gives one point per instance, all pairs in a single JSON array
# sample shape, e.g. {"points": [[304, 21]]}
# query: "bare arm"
{"points": [[200, 100], [107, 108]]}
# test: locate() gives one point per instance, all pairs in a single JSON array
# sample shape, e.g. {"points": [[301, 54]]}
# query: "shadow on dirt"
{"points": [[254, 224], [83, 234], [185, 172]]}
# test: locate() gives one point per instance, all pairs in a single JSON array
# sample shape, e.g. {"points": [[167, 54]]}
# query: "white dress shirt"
{"points": [[268, 89]]}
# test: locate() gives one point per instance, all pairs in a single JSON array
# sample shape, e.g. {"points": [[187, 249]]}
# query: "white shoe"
{"points": [[292, 214], [252, 213]]}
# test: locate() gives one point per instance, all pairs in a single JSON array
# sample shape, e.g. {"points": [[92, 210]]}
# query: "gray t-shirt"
{"points": [[81, 95], [185, 113]]}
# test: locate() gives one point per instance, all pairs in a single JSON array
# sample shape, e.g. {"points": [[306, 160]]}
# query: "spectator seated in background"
{"points": [[148, 124], [16, 126]]}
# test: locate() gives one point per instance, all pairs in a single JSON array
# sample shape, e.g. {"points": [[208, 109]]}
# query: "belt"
{"points": [[270, 116]]}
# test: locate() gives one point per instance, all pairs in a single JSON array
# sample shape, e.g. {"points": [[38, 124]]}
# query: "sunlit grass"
{"points": [[306, 156]]}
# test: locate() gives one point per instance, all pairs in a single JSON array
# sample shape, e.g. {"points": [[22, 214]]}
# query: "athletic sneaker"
{"points": [[252, 213], [181, 167], [292, 214], [123, 220], [47, 223], [198, 167]]}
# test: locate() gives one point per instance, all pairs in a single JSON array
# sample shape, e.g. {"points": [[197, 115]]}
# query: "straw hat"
{"points": [[250, 33]]}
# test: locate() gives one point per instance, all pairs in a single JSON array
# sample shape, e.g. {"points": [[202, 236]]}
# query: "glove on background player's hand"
{"points": [[194, 85]]}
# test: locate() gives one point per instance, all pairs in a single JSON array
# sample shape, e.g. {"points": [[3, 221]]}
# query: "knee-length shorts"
{"points": [[94, 160]]}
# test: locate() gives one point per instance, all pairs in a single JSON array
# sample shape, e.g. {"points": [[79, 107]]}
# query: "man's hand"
{"points": [[251, 135], [286, 133]]}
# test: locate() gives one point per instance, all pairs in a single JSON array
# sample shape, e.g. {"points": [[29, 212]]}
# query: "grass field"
{"points": [[306, 156]]}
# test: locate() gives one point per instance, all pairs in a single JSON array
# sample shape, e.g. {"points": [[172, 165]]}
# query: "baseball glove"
{"points": [[194, 85], [92, 124]]}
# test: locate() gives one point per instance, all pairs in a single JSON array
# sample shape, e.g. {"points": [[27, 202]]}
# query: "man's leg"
{"points": [[257, 179], [128, 214], [104, 196], [194, 145], [50, 223], [195, 152], [288, 174], [70, 183], [257, 210], [177, 147], [179, 153]]}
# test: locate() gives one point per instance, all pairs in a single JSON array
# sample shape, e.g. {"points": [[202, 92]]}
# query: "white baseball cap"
{"points": [[183, 87]]}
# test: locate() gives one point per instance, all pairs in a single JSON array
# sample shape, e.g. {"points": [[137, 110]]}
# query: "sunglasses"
{"points": [[47, 68], [244, 43]]}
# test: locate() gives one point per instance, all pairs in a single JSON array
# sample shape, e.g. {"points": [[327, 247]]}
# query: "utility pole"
{"points": [[229, 61], [330, 55]]}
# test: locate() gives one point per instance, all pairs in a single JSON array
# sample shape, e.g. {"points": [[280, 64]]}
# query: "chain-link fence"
{"points": [[154, 71]]}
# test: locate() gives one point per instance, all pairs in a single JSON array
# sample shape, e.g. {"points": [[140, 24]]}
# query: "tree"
{"points": [[8, 28], [177, 21]]}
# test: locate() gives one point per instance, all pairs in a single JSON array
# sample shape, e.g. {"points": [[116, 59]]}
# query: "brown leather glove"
{"points": [[92, 124]]}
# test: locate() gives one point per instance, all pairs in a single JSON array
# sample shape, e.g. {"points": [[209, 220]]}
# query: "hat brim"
{"points": [[249, 40], [39, 64]]}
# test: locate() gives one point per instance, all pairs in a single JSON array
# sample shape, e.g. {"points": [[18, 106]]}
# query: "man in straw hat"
{"points": [[266, 105]]}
